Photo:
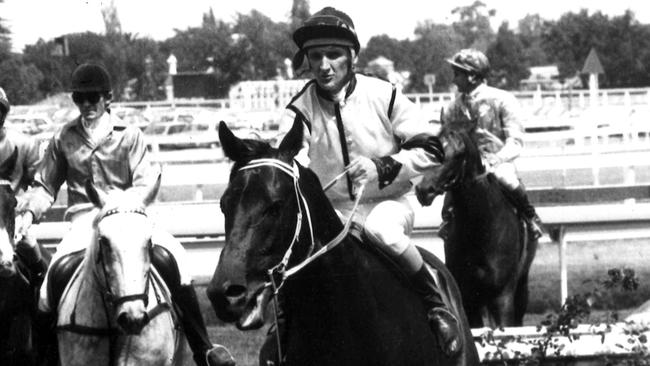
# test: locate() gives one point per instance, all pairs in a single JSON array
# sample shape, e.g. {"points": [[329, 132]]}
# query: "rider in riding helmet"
{"points": [[22, 177], [495, 114], [98, 146], [367, 127]]}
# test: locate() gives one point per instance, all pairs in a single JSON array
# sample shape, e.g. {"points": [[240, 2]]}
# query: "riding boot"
{"points": [[186, 305], [45, 343], [533, 222], [446, 214], [36, 260], [205, 353], [443, 323], [269, 353]]}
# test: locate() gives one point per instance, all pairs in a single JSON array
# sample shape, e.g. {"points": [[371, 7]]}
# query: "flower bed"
{"points": [[613, 344]]}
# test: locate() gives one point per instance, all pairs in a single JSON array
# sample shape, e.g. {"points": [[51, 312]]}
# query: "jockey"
{"points": [[34, 257], [495, 114], [368, 127], [98, 146]]}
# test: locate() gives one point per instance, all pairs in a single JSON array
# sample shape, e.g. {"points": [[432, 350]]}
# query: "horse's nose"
{"points": [[236, 295], [7, 268], [228, 300], [132, 323]]}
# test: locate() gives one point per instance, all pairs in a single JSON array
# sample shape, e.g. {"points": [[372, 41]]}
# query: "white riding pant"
{"points": [[80, 234], [506, 174], [388, 223]]}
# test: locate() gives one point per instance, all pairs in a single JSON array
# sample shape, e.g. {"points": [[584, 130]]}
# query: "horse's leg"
{"points": [[21, 340], [472, 305], [521, 300]]}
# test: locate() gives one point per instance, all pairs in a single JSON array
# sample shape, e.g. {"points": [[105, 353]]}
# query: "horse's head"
{"points": [[7, 216], [260, 207], [462, 161], [119, 255]]}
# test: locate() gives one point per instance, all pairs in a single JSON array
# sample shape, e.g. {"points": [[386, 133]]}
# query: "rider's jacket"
{"points": [[373, 120], [26, 161], [495, 113], [117, 160]]}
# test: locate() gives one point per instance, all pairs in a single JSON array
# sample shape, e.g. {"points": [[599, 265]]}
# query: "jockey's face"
{"points": [[331, 66], [92, 105], [465, 81]]}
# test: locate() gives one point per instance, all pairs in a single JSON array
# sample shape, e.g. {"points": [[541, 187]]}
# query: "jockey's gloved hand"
{"points": [[27, 248], [387, 170]]}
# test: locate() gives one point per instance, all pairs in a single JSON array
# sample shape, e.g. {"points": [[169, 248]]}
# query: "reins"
{"points": [[279, 273]]}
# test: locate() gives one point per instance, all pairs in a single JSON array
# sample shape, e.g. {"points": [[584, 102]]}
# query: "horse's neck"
{"points": [[83, 298]]}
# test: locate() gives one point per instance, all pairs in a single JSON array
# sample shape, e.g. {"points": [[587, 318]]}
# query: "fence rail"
{"points": [[618, 212]]}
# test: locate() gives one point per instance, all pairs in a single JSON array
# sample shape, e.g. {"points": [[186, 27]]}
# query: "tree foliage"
{"points": [[507, 59], [254, 47], [622, 44]]}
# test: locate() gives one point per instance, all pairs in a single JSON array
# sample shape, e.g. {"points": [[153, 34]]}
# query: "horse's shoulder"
{"points": [[376, 256]]}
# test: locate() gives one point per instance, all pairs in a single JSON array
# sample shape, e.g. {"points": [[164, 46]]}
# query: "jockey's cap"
{"points": [[472, 61], [90, 78], [327, 27], [4, 105]]}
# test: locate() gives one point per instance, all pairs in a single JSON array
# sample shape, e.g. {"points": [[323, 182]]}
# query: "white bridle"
{"points": [[294, 173]]}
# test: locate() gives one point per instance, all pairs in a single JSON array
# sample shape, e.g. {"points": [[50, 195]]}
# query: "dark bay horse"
{"points": [[17, 297], [488, 249], [348, 306]]}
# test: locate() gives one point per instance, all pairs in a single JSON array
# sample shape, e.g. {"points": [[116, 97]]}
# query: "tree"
{"points": [[269, 45], [474, 25], [391, 48], [299, 13], [434, 44], [5, 41], [20, 81], [621, 43], [507, 59], [530, 30]]}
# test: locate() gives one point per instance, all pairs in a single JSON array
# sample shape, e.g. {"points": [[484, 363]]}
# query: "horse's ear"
{"points": [[153, 192], [96, 196], [292, 141], [232, 145], [7, 166]]}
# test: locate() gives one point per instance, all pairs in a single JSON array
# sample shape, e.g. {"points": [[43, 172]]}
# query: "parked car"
{"points": [[132, 116], [30, 124]]}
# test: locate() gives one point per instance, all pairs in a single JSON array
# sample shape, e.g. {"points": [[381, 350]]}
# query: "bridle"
{"points": [[279, 273], [109, 298], [108, 294]]}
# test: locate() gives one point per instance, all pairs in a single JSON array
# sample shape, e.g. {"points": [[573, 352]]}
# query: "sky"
{"points": [[30, 20]]}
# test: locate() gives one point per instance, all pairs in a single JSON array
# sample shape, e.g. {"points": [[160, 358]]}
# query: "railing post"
{"points": [[558, 236]]}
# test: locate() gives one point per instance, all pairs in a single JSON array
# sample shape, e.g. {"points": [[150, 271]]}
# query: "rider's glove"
{"points": [[387, 170]]}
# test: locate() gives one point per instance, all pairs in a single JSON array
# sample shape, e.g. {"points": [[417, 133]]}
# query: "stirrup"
{"points": [[219, 355]]}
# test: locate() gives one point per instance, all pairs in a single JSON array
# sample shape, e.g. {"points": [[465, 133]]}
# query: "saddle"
{"points": [[62, 270]]}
